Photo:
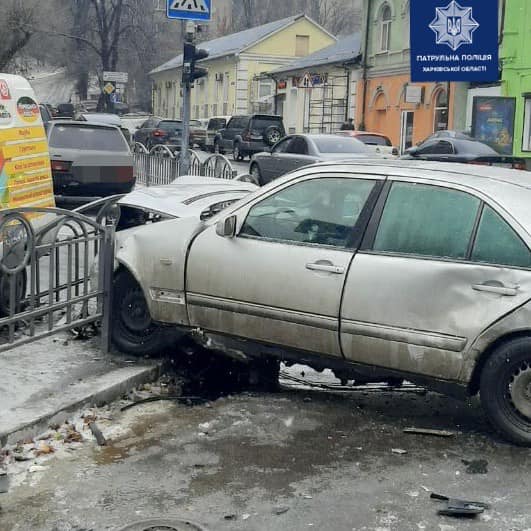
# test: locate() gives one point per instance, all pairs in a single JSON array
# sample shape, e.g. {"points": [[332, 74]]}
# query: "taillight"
{"points": [[61, 165], [394, 151], [124, 174], [246, 135], [159, 132], [519, 165]]}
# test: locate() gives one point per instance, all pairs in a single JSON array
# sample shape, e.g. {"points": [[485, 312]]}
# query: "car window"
{"points": [[374, 140], [86, 137], [282, 146], [239, 122], [441, 147], [338, 144], [298, 146], [217, 123], [261, 124], [427, 220], [169, 125], [497, 243], [320, 211]]}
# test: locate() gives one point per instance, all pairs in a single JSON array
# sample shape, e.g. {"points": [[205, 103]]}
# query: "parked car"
{"points": [[377, 142], [215, 124], [155, 131], [105, 118], [89, 158], [395, 269], [198, 129], [45, 115], [52, 109], [295, 151], [66, 110], [466, 150], [132, 120], [249, 134]]}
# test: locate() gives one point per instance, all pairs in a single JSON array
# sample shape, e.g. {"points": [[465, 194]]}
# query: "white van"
{"points": [[25, 172]]}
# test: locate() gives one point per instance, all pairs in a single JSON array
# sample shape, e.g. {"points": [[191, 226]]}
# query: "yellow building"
{"points": [[235, 62]]}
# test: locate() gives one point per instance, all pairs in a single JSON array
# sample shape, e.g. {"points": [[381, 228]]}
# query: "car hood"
{"points": [[187, 197]]}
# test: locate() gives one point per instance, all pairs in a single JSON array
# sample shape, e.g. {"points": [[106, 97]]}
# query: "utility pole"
{"points": [[191, 72]]}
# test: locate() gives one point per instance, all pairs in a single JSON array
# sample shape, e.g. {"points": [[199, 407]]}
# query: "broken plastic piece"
{"points": [[456, 507]]}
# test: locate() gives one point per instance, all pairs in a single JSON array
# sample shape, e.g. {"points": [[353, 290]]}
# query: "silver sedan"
{"points": [[296, 151]]}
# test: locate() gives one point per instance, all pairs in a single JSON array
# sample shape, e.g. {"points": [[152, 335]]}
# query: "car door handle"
{"points": [[327, 266], [493, 286]]}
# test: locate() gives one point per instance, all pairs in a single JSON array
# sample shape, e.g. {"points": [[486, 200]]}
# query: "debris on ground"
{"points": [[100, 439], [425, 431], [280, 510], [476, 466], [459, 508], [398, 451]]}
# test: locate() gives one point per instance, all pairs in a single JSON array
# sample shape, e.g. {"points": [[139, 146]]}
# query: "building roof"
{"points": [[345, 50], [234, 43]]}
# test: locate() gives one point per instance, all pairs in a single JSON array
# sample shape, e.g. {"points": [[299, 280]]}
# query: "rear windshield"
{"points": [[169, 125], [86, 137], [339, 144], [261, 124], [475, 148], [375, 140], [217, 123]]}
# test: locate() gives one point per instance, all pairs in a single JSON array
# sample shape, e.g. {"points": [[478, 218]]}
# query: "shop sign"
{"points": [[454, 41]]}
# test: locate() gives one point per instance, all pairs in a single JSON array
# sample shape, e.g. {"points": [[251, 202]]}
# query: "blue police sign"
{"points": [[189, 9], [454, 40]]}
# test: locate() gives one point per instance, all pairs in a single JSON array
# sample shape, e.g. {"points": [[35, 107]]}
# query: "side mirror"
{"points": [[226, 227]]}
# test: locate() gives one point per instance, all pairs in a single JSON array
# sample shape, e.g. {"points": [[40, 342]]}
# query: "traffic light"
{"points": [[191, 71]]}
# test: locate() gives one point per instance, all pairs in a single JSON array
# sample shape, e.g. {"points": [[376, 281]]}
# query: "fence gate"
{"points": [[55, 273]]}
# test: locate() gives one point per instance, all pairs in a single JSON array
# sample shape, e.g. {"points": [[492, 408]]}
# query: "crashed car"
{"points": [[387, 269]]}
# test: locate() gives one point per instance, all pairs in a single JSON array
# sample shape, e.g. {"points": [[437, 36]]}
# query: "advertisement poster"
{"points": [[454, 40], [493, 122]]}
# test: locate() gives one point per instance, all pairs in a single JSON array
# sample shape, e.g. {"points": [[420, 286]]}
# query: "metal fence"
{"points": [[160, 165], [54, 278]]}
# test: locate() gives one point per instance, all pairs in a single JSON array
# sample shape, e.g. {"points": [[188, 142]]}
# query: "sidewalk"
{"points": [[46, 381]]}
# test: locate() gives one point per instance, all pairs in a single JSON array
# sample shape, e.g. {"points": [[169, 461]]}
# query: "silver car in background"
{"points": [[296, 151]]}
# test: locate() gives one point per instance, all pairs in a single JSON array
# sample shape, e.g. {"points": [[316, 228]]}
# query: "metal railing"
{"points": [[160, 165], [47, 275]]}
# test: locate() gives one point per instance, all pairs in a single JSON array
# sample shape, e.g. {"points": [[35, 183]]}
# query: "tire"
{"points": [[133, 331], [237, 155], [272, 135], [256, 173], [21, 286], [505, 390]]}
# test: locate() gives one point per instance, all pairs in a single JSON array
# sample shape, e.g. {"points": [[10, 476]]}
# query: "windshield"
{"points": [[86, 137], [374, 140], [217, 123], [337, 144]]}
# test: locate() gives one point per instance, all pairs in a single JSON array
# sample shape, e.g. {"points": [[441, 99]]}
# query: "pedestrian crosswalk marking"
{"points": [[192, 6]]}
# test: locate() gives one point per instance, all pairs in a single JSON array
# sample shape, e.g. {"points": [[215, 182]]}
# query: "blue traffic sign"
{"points": [[189, 9]]}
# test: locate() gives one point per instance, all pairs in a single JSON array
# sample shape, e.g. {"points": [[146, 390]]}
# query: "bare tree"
{"points": [[16, 29]]}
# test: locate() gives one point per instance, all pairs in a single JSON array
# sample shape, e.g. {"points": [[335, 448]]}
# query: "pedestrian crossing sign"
{"points": [[189, 9]]}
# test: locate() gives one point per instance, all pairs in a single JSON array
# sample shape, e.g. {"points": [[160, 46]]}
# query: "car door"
{"points": [[438, 268], [234, 127], [268, 162], [279, 280], [295, 156]]}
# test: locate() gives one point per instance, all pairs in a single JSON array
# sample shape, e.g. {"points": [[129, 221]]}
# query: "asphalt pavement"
{"points": [[295, 460]]}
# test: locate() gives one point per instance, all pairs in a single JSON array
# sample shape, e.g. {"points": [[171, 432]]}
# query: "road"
{"points": [[53, 87], [295, 460]]}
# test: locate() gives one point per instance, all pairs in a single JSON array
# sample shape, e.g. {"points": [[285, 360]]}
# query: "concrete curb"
{"points": [[103, 389]]}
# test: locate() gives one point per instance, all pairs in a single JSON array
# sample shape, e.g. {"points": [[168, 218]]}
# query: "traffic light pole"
{"points": [[184, 157]]}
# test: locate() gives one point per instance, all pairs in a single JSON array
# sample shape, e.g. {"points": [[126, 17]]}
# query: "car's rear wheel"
{"points": [[256, 173], [217, 148], [505, 388], [133, 330], [237, 154]]}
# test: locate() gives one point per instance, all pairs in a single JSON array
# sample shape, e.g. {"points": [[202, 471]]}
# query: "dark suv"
{"points": [[249, 134]]}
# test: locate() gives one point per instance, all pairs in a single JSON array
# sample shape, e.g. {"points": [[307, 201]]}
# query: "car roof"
{"points": [[509, 189]]}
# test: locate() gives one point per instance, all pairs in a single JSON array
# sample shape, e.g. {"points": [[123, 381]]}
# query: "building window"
{"points": [[265, 89], [440, 121], [302, 45], [385, 31], [526, 141], [226, 82]]}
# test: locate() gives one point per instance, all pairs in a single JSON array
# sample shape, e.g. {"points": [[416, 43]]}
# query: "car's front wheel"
{"points": [[505, 389], [237, 154], [133, 330]]}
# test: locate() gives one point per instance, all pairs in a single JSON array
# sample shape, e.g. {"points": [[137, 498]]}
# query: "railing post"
{"points": [[106, 279]]}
